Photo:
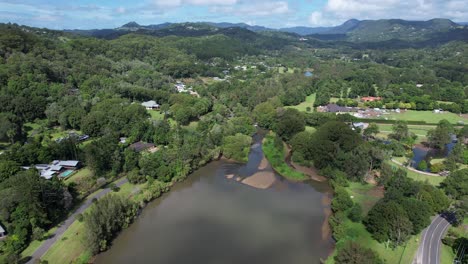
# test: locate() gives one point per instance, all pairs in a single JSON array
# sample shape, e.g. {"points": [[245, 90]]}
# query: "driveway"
{"points": [[64, 226]]}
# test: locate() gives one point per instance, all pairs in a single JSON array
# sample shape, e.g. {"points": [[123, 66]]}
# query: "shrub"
{"points": [[422, 166], [355, 214], [437, 167]]}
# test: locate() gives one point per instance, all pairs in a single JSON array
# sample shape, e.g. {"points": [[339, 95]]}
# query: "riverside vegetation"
{"points": [[56, 84]]}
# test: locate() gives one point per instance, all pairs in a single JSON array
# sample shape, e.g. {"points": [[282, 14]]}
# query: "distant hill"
{"points": [[352, 30]]}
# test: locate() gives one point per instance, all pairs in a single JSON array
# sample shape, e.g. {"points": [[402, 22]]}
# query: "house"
{"points": [[2, 233], [141, 146], [334, 108], [370, 99], [360, 125], [150, 105], [67, 164]]}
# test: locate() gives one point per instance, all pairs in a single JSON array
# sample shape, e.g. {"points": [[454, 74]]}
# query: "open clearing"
{"points": [[426, 116], [309, 102]]}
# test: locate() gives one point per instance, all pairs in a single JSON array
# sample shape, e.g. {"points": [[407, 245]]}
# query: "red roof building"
{"points": [[371, 99]]}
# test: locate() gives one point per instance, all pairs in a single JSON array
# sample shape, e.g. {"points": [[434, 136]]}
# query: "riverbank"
{"points": [[276, 157]]}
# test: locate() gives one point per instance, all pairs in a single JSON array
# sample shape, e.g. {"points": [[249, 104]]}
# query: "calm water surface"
{"points": [[209, 219]]}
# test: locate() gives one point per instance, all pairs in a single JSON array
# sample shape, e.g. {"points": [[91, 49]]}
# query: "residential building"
{"points": [[150, 105], [370, 99]]}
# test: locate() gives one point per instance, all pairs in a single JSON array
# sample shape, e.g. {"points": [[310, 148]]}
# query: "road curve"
{"points": [[431, 238], [64, 226]]}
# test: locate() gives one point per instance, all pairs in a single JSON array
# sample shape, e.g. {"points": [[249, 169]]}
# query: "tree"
{"points": [[438, 137], [237, 147], [355, 214], [8, 168], [419, 213], [371, 130], [400, 131], [289, 123], [422, 166], [456, 185], [265, 114], [388, 221], [341, 200], [106, 217], [354, 253]]}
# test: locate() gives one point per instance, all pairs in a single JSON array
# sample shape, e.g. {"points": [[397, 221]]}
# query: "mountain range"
{"points": [[352, 30]]}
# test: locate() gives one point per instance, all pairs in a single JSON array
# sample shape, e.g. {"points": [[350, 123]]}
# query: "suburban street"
{"points": [[431, 239], [64, 226]]}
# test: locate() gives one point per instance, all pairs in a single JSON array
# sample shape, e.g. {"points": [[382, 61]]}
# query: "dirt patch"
{"points": [[377, 191], [230, 176], [326, 230], [260, 180], [263, 164], [309, 171]]}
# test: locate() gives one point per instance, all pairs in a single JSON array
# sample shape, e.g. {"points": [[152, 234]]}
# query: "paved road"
{"points": [[431, 239], [64, 226]]}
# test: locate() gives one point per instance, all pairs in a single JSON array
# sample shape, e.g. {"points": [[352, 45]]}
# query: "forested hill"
{"points": [[352, 30]]}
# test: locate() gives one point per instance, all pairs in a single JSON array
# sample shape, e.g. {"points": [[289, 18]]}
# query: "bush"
{"points": [[114, 187], [437, 167], [308, 109], [353, 253], [422, 166], [79, 217], [355, 214]]}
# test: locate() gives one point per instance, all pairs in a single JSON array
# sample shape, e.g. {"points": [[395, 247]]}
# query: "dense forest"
{"points": [[53, 81]]}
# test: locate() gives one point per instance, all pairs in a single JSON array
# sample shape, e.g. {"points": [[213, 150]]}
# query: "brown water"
{"points": [[209, 219]]}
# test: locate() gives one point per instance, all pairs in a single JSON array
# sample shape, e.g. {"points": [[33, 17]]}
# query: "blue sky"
{"points": [[86, 14]]}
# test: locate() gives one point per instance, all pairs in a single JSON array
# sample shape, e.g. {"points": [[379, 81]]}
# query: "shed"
{"points": [[141, 146]]}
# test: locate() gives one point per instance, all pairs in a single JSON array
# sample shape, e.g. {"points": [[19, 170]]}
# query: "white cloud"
{"points": [[177, 3], [337, 11], [256, 9]]}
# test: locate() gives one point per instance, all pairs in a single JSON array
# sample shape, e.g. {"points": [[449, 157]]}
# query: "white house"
{"points": [[150, 105]]}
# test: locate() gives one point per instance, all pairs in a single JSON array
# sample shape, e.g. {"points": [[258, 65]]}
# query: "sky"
{"points": [[92, 14]]}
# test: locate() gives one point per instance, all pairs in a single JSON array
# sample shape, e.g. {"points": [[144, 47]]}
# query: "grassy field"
{"points": [[433, 180], [364, 194], [309, 102], [276, 158], [427, 116], [420, 131], [69, 247], [79, 175], [446, 254]]}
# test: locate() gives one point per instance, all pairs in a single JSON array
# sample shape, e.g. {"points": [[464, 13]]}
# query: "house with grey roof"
{"points": [[150, 105]]}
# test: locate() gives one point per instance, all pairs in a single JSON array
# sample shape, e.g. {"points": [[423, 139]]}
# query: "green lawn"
{"points": [[156, 115], [69, 247], [364, 194], [433, 180], [34, 245], [446, 254], [334, 99], [79, 175], [309, 102], [276, 159], [427, 116]]}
